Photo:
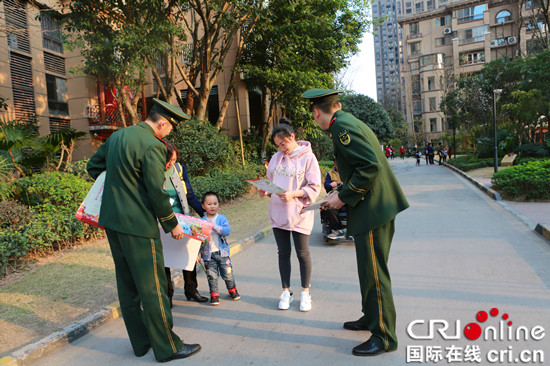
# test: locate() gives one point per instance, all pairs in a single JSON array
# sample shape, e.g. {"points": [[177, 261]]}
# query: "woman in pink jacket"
{"points": [[295, 169]]}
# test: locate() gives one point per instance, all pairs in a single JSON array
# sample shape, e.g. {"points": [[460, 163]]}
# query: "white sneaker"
{"points": [[305, 301], [286, 300], [336, 234]]}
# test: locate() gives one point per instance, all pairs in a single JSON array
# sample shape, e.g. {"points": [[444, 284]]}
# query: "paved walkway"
{"points": [[476, 255]]}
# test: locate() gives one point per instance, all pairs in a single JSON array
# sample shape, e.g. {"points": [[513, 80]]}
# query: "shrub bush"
{"points": [[78, 168], [228, 183], [53, 198], [527, 181], [55, 188], [470, 162], [14, 215], [322, 147], [202, 147], [534, 150]]}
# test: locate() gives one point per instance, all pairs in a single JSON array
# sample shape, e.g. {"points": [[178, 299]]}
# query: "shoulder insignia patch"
{"points": [[344, 137]]}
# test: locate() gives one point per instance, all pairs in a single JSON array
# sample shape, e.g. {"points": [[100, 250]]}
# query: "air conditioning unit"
{"points": [[447, 31], [512, 40], [494, 43]]}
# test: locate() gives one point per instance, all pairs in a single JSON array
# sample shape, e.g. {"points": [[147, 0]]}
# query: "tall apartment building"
{"points": [[457, 37], [388, 53], [36, 82]]}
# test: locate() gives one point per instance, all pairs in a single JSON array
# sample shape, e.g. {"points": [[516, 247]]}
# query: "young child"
{"points": [[215, 251], [418, 155]]}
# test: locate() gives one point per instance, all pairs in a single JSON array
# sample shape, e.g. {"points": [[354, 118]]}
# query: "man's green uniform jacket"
{"points": [[133, 196], [370, 190]]}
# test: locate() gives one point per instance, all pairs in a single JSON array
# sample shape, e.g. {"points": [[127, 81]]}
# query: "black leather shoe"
{"points": [[186, 351], [196, 297], [369, 348], [355, 325], [141, 354]]}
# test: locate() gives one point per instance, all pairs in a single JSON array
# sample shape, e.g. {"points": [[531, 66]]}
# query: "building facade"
{"points": [[388, 54], [456, 37], [36, 80]]}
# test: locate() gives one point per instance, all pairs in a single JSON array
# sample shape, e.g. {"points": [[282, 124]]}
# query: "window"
{"points": [[414, 65], [529, 4], [57, 95], [472, 35], [443, 41], [431, 82], [504, 16], [431, 104], [434, 59], [22, 85], [419, 7], [51, 33], [468, 14], [443, 21], [414, 49], [415, 84], [16, 19], [472, 58], [433, 125], [534, 27], [413, 29], [417, 107]]}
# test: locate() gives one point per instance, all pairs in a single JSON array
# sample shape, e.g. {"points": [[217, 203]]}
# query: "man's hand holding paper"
{"points": [[333, 201]]}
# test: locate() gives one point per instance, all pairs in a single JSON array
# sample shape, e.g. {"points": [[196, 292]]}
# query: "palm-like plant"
{"points": [[13, 138]]}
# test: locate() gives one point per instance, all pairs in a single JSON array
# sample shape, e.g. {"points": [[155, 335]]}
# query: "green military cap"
{"points": [[174, 115], [320, 96]]}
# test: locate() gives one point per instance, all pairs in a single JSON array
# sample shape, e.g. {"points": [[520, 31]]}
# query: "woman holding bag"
{"points": [[177, 184]]}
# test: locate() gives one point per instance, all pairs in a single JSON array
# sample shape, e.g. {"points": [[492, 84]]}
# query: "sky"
{"points": [[360, 75]]}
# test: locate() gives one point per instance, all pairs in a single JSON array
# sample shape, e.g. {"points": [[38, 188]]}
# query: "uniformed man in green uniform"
{"points": [[133, 200], [373, 198]]}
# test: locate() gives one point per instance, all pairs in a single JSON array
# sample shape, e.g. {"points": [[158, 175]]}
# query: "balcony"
{"points": [[109, 121]]}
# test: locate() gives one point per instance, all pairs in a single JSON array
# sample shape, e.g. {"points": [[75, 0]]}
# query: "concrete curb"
{"points": [[493, 194], [542, 229], [31, 353]]}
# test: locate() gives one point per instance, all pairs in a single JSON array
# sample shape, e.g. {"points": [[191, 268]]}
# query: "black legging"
{"points": [[301, 243]]}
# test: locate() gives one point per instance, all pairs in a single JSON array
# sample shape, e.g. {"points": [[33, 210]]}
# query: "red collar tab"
{"points": [[164, 142], [331, 122]]}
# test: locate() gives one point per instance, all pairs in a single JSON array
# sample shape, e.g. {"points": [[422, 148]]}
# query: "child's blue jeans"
{"points": [[222, 266]]}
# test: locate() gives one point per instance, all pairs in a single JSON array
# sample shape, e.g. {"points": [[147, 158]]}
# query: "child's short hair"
{"points": [[209, 193]]}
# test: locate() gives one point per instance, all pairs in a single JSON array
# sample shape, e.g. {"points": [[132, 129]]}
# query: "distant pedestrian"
{"points": [[431, 153], [418, 155], [402, 152], [440, 152], [426, 154]]}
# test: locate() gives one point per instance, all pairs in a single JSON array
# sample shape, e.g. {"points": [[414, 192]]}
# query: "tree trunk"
{"points": [[268, 128], [225, 104]]}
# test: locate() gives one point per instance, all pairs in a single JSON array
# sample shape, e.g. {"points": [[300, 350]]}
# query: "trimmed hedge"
{"points": [[528, 181], [469, 162], [228, 183], [42, 218]]}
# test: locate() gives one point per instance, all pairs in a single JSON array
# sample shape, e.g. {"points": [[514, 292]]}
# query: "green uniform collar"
{"points": [[336, 114]]}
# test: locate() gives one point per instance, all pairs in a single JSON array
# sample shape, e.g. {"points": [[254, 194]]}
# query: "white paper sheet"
{"points": [[179, 253]]}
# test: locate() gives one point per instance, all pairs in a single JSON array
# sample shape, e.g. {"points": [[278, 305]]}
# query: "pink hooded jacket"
{"points": [[299, 170]]}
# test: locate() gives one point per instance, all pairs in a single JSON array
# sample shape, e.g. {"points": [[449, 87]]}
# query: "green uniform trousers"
{"points": [[142, 286], [372, 249]]}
